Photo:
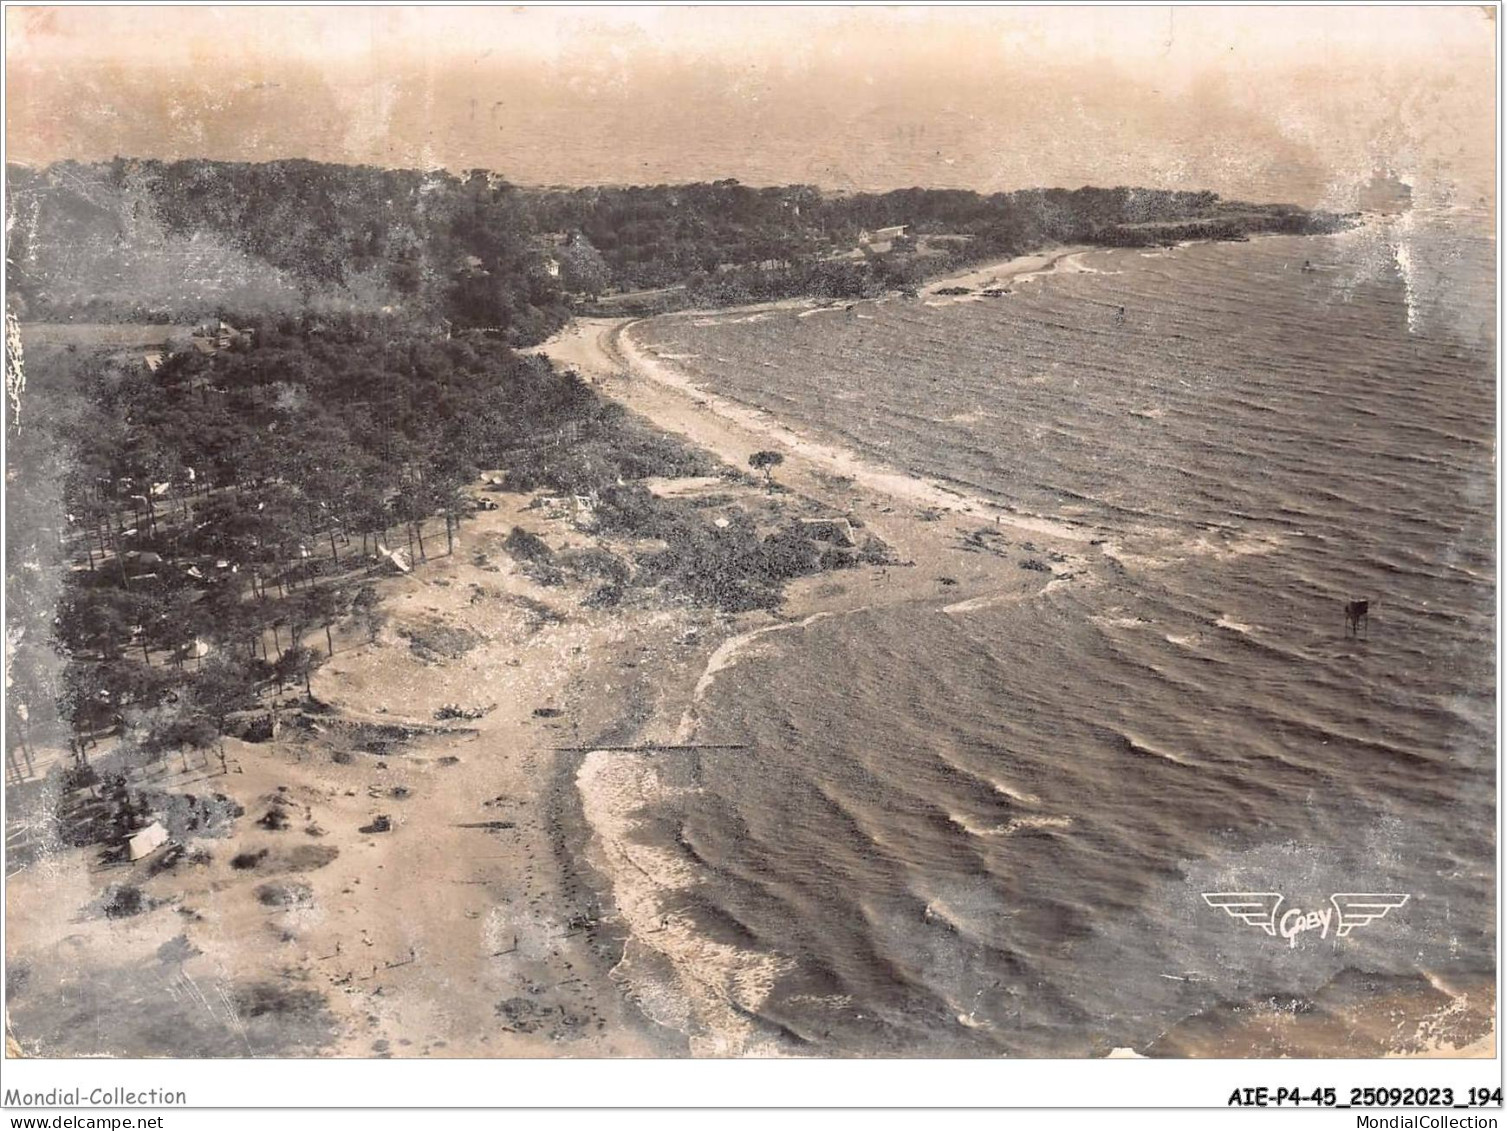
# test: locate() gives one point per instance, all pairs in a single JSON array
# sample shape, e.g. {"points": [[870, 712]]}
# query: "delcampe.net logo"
{"points": [[1347, 910]]}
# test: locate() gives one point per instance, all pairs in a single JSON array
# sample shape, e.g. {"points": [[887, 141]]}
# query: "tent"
{"points": [[148, 840]]}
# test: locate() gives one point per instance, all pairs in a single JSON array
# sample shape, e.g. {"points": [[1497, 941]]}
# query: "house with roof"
{"points": [[881, 239]]}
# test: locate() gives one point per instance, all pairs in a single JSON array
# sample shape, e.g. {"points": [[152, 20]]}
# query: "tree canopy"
{"points": [[112, 240]]}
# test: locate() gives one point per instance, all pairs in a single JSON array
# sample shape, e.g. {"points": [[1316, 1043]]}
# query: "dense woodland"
{"points": [[480, 252], [190, 527]]}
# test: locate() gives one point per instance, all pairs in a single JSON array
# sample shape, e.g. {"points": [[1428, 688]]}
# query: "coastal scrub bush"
{"points": [[527, 546], [788, 555], [293, 893], [766, 462], [434, 641], [121, 901], [597, 562]]}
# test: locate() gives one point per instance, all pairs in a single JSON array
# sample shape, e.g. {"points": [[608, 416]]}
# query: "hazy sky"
{"points": [[1294, 103]]}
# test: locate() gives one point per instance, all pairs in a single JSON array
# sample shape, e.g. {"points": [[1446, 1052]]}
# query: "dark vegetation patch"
{"points": [[447, 711], [177, 949], [529, 1015], [307, 857], [291, 1005], [176, 854], [245, 861], [527, 546], [291, 893], [17, 976], [102, 1013], [435, 641], [121, 901], [534, 556], [605, 596], [596, 562], [299, 858], [735, 567], [537, 613]]}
